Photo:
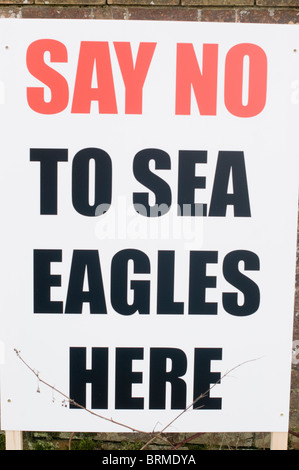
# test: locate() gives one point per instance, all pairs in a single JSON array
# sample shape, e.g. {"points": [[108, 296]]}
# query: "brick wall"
{"points": [[248, 11], [242, 11]]}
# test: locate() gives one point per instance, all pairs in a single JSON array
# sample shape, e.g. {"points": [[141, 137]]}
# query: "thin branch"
{"points": [[53, 388], [111, 420], [195, 401], [72, 401]]}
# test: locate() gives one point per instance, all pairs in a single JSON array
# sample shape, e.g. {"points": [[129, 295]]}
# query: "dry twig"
{"points": [[156, 435]]}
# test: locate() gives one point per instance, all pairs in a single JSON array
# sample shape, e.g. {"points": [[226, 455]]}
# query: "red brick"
{"points": [[278, 3], [70, 2], [14, 2], [111, 12], [212, 3], [163, 14], [217, 15], [269, 15], [35, 11], [144, 2]]}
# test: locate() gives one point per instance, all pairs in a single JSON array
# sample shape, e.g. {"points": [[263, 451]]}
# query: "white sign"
{"points": [[149, 184]]}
